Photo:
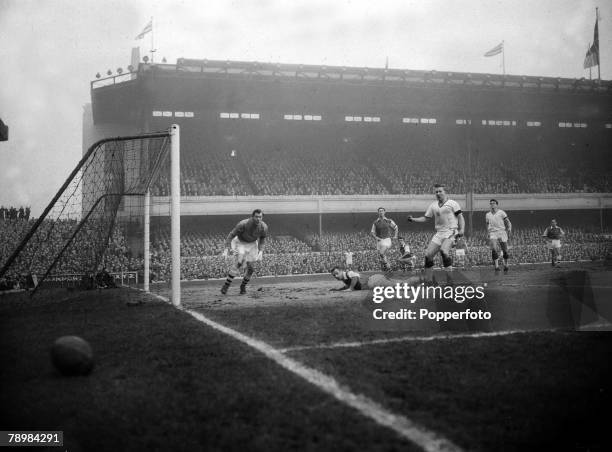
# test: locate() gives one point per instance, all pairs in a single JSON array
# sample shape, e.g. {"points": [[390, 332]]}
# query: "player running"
{"points": [[383, 230], [449, 225], [250, 236], [499, 227], [407, 259], [350, 279], [554, 233]]}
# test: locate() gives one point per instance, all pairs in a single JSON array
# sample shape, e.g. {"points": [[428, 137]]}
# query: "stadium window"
{"points": [[608, 126], [307, 117], [357, 118], [288, 117], [580, 125], [249, 115], [179, 114], [513, 123], [565, 124], [367, 119], [233, 115], [189, 114], [297, 117], [499, 123], [316, 117], [463, 122], [410, 120], [506, 123], [484, 122], [534, 124], [224, 115], [167, 114], [157, 113], [375, 119]]}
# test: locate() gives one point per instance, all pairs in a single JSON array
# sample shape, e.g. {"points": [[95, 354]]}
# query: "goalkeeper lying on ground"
{"points": [[350, 279]]}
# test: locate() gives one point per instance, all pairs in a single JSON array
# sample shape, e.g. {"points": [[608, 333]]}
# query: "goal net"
{"points": [[92, 230]]}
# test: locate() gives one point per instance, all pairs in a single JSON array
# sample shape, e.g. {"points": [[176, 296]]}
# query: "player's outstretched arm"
{"points": [[421, 219]]}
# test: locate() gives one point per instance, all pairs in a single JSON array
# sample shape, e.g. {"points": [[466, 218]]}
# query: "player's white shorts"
{"points": [[554, 244], [383, 245], [502, 236], [441, 236], [249, 250]]}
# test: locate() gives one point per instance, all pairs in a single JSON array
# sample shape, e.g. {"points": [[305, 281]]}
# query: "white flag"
{"points": [[148, 27], [499, 48]]}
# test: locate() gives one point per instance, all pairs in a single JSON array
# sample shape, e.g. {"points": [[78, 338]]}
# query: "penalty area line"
{"points": [[433, 337]]}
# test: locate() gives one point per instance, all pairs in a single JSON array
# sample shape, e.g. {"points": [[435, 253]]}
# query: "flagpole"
{"points": [[503, 58], [152, 41], [598, 52]]}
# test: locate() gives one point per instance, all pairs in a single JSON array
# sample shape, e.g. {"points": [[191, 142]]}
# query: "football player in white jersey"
{"points": [[449, 225], [498, 227]]}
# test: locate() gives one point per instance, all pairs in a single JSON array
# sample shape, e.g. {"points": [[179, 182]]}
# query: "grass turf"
{"points": [[162, 381], [530, 391]]}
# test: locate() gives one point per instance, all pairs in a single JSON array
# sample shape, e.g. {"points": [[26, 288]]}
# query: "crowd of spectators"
{"points": [[205, 173], [299, 170], [411, 168], [14, 213], [287, 255], [284, 254]]}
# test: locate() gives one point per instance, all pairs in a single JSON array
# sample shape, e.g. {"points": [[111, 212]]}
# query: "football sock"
{"points": [[228, 280]]}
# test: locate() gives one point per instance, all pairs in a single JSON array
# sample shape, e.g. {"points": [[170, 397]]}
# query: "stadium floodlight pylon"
{"points": [[77, 235]]}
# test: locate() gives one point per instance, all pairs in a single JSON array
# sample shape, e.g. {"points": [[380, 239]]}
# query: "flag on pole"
{"points": [[148, 27], [588, 59], [592, 56], [499, 48]]}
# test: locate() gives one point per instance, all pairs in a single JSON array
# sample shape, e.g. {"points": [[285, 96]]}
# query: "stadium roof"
{"points": [[303, 72]]}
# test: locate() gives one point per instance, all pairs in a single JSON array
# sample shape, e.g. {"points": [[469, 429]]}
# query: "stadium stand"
{"points": [[519, 162], [312, 253]]}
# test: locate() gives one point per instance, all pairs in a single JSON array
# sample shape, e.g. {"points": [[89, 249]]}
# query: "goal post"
{"points": [[175, 214], [84, 230]]}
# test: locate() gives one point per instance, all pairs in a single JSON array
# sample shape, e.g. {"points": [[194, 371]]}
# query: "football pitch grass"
{"points": [[292, 366]]}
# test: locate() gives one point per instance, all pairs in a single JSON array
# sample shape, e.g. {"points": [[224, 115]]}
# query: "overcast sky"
{"points": [[51, 50]]}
